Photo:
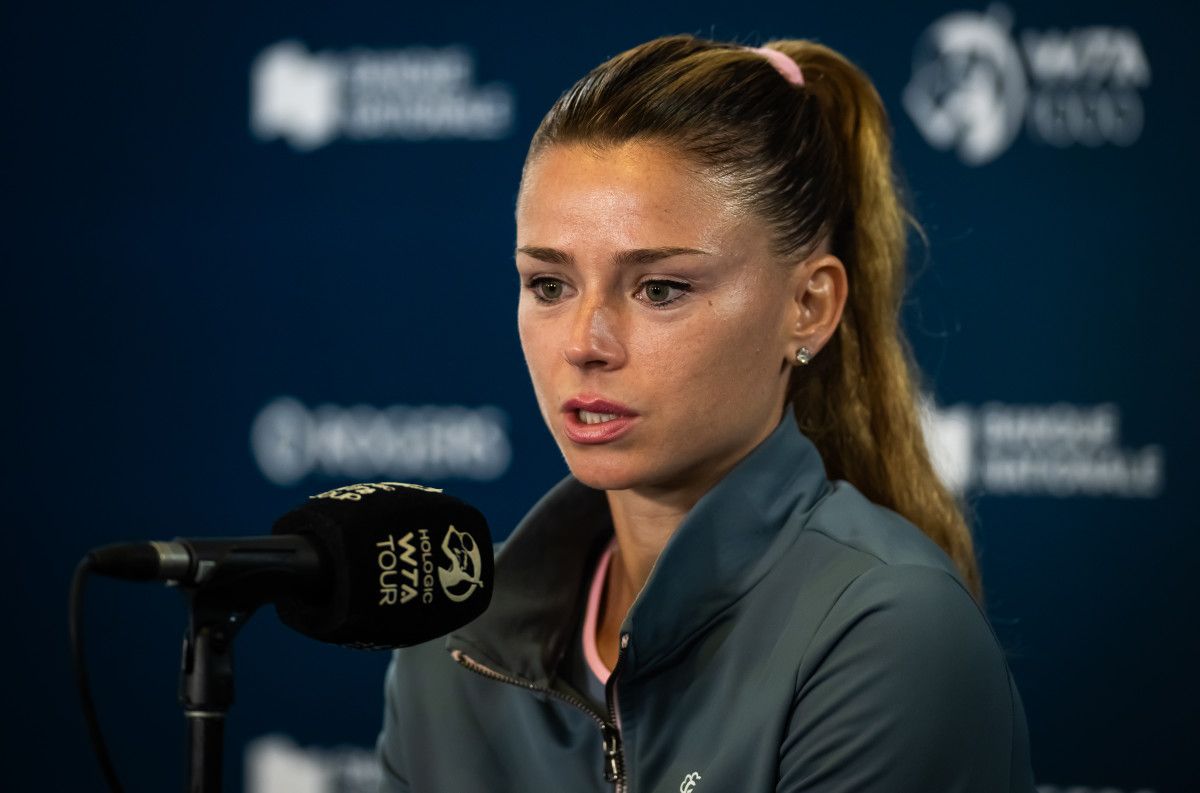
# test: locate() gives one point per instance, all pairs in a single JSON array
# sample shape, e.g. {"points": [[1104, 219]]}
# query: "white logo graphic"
{"points": [[416, 93], [275, 764], [461, 579], [296, 96], [689, 782], [974, 86], [1058, 450], [949, 436], [968, 88], [291, 441]]}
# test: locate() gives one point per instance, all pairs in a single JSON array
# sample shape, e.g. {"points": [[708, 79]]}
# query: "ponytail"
{"points": [[858, 400]]}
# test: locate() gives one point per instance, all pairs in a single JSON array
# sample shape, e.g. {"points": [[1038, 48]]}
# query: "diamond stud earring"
{"points": [[803, 355]]}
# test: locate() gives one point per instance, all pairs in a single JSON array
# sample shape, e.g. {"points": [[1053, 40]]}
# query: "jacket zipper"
{"points": [[614, 760]]}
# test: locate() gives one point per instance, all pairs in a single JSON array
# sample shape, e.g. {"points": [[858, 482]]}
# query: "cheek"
{"points": [[537, 344], [748, 329], [724, 348]]}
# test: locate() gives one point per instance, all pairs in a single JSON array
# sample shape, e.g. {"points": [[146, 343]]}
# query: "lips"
{"points": [[590, 419], [598, 405]]}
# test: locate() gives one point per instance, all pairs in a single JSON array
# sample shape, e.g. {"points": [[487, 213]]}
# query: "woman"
{"points": [[752, 579]]}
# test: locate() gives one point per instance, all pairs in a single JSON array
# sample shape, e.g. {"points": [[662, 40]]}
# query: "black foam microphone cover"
{"points": [[407, 564]]}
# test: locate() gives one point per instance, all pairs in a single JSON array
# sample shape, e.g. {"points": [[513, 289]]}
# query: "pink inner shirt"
{"points": [[592, 617]]}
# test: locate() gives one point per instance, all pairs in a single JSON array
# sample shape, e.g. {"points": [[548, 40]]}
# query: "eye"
{"points": [[547, 290], [660, 293]]}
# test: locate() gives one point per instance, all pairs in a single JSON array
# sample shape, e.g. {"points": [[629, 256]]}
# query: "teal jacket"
{"points": [[793, 636]]}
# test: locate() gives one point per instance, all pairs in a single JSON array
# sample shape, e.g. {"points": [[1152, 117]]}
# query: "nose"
{"points": [[593, 342]]}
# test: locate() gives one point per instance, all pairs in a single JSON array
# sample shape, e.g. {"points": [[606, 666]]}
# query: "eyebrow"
{"points": [[624, 258]]}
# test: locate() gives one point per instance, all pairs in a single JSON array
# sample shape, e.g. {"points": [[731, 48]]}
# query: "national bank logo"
{"points": [[1061, 450], [310, 99], [976, 83]]}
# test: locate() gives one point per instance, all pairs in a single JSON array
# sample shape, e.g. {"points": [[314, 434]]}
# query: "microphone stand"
{"points": [[221, 598], [206, 678]]}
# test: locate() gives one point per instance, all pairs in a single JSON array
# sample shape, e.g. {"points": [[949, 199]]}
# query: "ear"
{"points": [[820, 287]]}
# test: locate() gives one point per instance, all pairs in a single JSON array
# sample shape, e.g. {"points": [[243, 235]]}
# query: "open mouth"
{"points": [[594, 420], [588, 417]]}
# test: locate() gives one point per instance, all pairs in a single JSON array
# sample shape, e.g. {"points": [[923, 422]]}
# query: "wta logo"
{"points": [[460, 580], [406, 567], [975, 84]]}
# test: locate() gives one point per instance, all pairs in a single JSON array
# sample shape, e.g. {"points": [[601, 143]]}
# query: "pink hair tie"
{"points": [[782, 63]]}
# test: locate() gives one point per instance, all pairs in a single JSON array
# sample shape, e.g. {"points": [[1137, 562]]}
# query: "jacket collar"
{"points": [[721, 549]]}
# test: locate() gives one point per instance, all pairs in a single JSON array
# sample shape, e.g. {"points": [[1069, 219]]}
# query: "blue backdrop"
{"points": [[255, 252]]}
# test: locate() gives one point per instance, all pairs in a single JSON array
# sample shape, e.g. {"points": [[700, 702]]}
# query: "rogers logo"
{"points": [[291, 441]]}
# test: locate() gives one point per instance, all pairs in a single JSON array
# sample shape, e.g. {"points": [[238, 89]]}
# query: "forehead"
{"points": [[628, 194]]}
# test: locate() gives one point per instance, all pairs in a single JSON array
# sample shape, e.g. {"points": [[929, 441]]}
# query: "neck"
{"points": [[643, 522], [644, 519]]}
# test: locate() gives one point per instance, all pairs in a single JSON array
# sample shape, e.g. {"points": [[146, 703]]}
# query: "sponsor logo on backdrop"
{"points": [[413, 94], [275, 764], [977, 82], [291, 441], [1061, 450]]}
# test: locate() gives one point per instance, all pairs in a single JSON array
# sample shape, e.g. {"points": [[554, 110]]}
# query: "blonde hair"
{"points": [[814, 162]]}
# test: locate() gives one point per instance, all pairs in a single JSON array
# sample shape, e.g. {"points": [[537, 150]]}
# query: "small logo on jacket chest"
{"points": [[689, 782]]}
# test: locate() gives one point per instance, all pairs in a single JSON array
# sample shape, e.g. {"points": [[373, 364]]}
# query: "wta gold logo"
{"points": [[406, 567], [460, 580]]}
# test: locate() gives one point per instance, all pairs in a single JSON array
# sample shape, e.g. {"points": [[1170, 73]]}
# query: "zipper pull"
{"points": [[612, 753]]}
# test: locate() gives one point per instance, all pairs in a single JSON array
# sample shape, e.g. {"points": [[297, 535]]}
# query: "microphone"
{"points": [[372, 566]]}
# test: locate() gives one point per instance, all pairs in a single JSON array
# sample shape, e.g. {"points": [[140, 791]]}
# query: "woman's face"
{"points": [[646, 297]]}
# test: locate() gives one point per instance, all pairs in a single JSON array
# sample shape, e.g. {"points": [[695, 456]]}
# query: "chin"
{"points": [[606, 471]]}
